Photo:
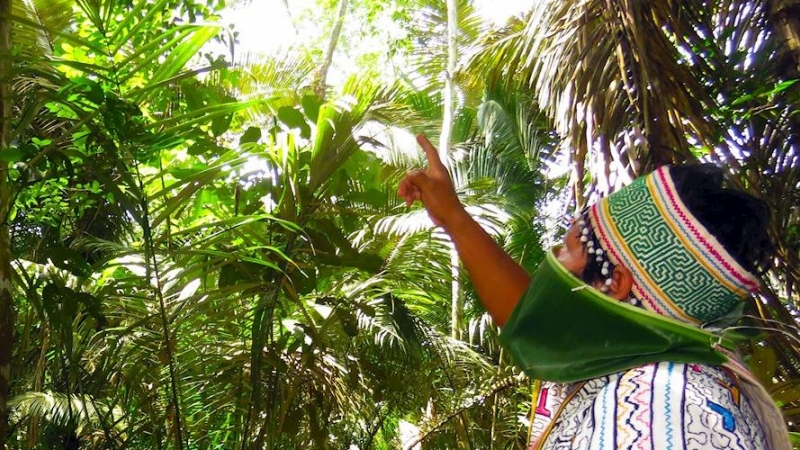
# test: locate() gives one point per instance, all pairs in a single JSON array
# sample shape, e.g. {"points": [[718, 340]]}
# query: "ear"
{"points": [[621, 283]]}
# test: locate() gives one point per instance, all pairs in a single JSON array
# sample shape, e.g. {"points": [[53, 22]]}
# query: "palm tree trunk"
{"points": [[322, 76], [6, 301], [448, 116], [785, 20]]}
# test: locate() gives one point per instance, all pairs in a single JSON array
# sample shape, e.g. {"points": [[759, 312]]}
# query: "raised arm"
{"points": [[497, 278]]}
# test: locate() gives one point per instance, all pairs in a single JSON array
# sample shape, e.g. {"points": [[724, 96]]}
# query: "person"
{"points": [[628, 362]]}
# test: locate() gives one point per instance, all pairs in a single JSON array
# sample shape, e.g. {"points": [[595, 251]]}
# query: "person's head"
{"points": [[675, 242]]}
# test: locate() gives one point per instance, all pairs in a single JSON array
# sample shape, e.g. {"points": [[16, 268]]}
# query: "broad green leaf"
{"points": [[179, 40], [11, 155], [184, 52], [291, 117], [191, 91], [76, 41], [189, 121], [780, 87], [70, 260], [125, 25], [205, 147], [61, 305], [311, 105], [221, 124], [183, 173], [251, 135], [93, 91], [763, 362]]}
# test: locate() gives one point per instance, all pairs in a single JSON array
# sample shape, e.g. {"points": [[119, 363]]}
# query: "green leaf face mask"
{"points": [[563, 330]]}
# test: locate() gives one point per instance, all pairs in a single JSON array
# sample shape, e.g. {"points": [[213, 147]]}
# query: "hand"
{"points": [[498, 279], [433, 188]]}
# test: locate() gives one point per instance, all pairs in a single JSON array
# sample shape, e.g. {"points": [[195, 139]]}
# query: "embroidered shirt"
{"points": [[655, 406]]}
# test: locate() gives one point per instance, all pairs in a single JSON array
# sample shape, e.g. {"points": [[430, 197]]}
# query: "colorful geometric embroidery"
{"points": [[656, 406], [728, 421], [679, 269]]}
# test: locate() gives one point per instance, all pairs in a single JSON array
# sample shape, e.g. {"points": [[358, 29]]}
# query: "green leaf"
{"points": [[252, 134], [291, 117], [192, 95], [182, 173], [11, 155], [177, 45], [91, 304], [763, 362], [92, 90], [221, 124], [61, 304], [69, 260], [239, 272], [373, 197], [138, 22], [204, 147], [787, 393], [780, 87], [311, 105], [184, 52]]}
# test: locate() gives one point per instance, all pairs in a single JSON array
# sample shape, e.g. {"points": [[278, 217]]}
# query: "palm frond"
{"points": [[79, 411], [42, 22]]}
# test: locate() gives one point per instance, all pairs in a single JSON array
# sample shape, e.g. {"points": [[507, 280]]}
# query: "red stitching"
{"points": [[661, 174]]}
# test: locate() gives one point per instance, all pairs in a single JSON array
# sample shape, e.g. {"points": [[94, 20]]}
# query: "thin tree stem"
{"points": [[321, 80], [6, 199], [448, 118], [153, 272]]}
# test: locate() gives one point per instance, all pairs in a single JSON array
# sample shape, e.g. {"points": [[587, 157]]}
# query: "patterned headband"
{"points": [[679, 269]]}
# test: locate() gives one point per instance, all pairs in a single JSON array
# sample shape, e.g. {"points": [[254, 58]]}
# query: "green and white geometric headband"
{"points": [[679, 269]]}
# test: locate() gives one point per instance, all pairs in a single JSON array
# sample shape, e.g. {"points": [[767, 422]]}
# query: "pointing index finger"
{"points": [[430, 151]]}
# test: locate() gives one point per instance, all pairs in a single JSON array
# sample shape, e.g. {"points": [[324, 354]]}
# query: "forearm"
{"points": [[498, 279]]}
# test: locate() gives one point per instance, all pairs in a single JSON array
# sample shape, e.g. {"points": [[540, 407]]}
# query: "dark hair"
{"points": [[592, 271], [736, 219]]}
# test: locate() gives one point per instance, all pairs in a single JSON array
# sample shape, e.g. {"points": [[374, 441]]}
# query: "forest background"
{"points": [[201, 247]]}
